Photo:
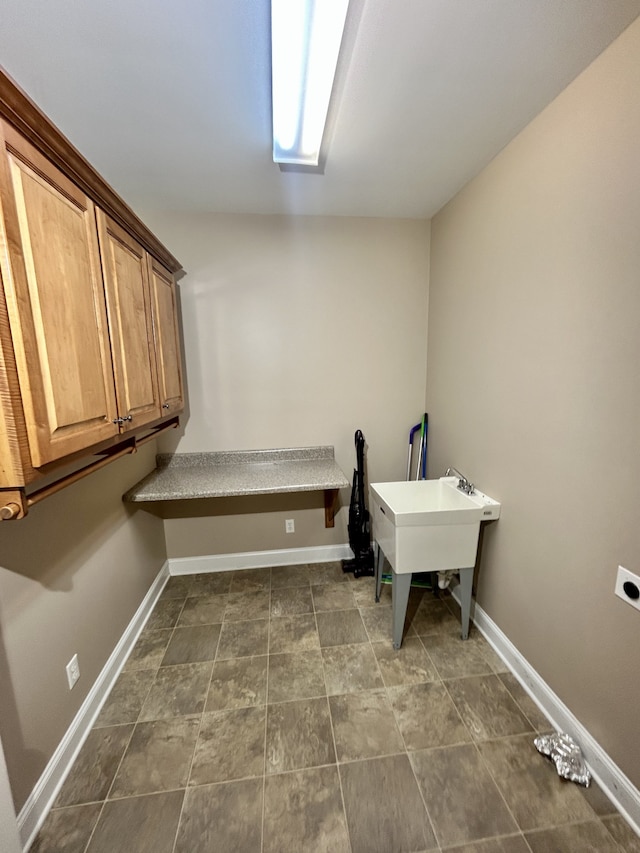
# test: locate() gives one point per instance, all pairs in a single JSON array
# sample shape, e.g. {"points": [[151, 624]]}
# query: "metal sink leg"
{"points": [[400, 586], [466, 588], [379, 564]]}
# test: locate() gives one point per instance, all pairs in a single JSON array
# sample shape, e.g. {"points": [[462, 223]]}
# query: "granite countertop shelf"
{"points": [[223, 474]]}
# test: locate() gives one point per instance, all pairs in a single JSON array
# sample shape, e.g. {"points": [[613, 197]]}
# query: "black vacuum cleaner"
{"points": [[359, 526]]}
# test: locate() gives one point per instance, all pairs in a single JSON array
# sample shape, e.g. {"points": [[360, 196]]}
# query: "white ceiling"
{"points": [[170, 99]]}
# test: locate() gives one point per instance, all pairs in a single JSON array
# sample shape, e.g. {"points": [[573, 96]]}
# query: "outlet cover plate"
{"points": [[73, 671], [628, 587]]}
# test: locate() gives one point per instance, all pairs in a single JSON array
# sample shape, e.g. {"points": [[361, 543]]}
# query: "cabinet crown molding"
{"points": [[17, 108]]}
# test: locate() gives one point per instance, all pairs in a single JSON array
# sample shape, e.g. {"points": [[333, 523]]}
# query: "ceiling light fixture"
{"points": [[305, 43]]}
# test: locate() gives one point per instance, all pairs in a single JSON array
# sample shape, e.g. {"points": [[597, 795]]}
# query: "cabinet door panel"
{"points": [[126, 274], [57, 303], [165, 321]]}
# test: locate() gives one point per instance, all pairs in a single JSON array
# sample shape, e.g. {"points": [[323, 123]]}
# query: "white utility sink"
{"points": [[426, 526]]}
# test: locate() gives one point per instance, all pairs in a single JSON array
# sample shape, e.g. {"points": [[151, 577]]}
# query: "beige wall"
{"points": [[8, 825], [534, 386], [72, 575], [298, 331]]}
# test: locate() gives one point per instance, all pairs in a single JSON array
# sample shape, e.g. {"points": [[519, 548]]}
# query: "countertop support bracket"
{"points": [[330, 496]]}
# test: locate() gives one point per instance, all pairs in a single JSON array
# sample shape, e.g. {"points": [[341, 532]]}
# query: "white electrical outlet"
{"points": [[73, 671], [290, 526], [628, 587]]}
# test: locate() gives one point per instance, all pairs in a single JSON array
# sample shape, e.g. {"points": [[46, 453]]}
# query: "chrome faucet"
{"points": [[463, 484]]}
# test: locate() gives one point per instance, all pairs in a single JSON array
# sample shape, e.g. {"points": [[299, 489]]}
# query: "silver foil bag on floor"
{"points": [[566, 755]]}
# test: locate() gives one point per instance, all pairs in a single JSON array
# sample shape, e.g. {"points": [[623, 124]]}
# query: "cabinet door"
{"points": [[126, 278], [55, 297], [165, 322]]}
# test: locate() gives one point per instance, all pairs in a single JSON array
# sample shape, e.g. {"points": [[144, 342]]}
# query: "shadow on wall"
{"points": [[240, 505], [60, 534], [71, 574], [10, 730], [45, 550], [169, 440]]}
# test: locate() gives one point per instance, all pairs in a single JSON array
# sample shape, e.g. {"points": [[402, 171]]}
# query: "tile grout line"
{"points": [[571, 824], [92, 833], [442, 681], [266, 716], [197, 738], [335, 746], [615, 841], [406, 750], [424, 802], [184, 796], [535, 728], [474, 743], [495, 782], [133, 729]]}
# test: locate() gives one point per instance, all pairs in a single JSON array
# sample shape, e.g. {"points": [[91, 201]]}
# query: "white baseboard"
{"points": [[620, 790], [40, 800], [258, 559]]}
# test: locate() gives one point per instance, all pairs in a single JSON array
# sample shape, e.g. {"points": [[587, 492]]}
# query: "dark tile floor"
{"points": [[266, 710]]}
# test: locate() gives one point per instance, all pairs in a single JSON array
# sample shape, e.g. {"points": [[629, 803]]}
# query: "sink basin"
{"points": [[428, 525], [415, 502]]}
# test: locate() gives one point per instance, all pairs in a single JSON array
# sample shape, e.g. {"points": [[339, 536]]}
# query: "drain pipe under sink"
{"points": [[444, 578]]}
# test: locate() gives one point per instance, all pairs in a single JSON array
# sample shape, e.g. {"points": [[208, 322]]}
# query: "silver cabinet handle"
{"points": [[128, 418], [165, 406], [117, 421]]}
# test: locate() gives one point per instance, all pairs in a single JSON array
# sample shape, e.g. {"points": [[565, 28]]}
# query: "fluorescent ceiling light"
{"points": [[305, 43]]}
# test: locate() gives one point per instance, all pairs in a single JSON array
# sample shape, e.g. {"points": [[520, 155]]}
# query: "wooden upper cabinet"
{"points": [[55, 301], [165, 323], [89, 340], [126, 277]]}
